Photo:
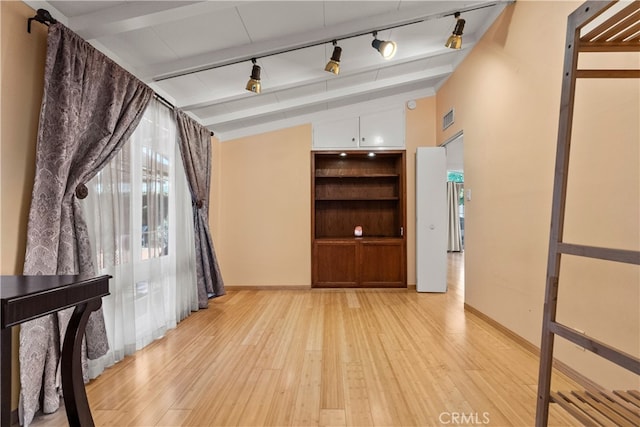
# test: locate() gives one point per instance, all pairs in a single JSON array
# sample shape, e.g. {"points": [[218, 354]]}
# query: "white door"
{"points": [[431, 219]]}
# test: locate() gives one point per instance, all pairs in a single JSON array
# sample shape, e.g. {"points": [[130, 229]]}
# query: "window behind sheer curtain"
{"points": [[140, 218], [112, 248], [155, 186]]}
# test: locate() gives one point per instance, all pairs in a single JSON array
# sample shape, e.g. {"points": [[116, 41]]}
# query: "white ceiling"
{"points": [[158, 40]]}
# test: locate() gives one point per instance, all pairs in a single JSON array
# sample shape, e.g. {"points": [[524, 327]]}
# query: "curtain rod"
{"points": [[163, 100], [44, 17]]}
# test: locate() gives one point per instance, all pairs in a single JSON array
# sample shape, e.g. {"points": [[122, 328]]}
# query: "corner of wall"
{"points": [[23, 57]]}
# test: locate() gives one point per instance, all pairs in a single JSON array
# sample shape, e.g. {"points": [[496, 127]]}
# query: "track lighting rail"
{"points": [[323, 41]]}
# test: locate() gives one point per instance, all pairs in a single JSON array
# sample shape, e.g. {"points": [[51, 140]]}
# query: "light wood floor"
{"points": [[326, 358]]}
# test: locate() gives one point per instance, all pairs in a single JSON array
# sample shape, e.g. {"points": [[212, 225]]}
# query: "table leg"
{"points": [[5, 377], [75, 396]]}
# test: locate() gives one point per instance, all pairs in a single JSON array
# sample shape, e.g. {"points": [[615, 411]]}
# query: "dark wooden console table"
{"points": [[25, 298]]}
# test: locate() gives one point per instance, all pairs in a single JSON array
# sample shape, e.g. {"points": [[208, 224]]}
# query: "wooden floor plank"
{"points": [[332, 418], [333, 354], [307, 405], [357, 406]]}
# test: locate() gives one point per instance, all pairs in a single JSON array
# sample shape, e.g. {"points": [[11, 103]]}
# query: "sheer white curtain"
{"points": [[139, 215]]}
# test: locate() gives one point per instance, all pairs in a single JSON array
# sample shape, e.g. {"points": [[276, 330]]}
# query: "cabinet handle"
{"points": [[353, 140], [363, 139], [401, 231]]}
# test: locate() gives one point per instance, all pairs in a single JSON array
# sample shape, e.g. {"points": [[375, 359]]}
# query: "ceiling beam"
{"points": [[328, 96], [245, 128]]}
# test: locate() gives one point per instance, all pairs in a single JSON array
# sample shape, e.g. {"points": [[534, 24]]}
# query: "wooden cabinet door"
{"points": [[381, 263], [334, 264], [359, 263]]}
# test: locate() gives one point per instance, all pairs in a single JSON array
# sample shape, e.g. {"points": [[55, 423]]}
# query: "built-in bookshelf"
{"points": [[358, 189]]}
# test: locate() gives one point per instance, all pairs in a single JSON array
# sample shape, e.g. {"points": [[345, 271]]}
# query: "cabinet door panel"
{"points": [[381, 263], [383, 129], [334, 264], [336, 134]]}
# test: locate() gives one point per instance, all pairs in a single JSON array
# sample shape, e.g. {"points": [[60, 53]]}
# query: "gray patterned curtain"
{"points": [[195, 147], [90, 107]]}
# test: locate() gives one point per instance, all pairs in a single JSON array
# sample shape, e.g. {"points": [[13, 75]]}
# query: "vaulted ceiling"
{"points": [[197, 54]]}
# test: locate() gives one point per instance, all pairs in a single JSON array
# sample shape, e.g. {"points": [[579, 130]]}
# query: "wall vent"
{"points": [[447, 119]]}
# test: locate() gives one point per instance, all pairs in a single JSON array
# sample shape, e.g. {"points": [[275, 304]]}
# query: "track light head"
{"points": [[253, 85], [455, 39], [333, 66], [386, 48]]}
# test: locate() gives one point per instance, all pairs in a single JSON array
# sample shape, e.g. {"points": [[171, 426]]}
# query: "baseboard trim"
{"points": [[267, 288], [308, 288], [535, 350]]}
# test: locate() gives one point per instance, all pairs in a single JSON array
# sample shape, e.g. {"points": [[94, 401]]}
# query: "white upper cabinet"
{"points": [[341, 133], [382, 129]]}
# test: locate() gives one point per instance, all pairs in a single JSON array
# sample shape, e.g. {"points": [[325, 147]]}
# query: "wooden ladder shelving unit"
{"points": [[612, 34]]}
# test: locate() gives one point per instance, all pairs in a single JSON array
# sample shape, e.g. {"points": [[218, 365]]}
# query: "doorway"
{"points": [[455, 191], [454, 148]]}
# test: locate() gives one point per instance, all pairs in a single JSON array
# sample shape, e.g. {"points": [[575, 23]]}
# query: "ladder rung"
{"points": [[611, 74], [612, 354], [609, 47], [619, 255]]}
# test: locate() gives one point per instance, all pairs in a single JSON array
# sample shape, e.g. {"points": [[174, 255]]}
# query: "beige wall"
{"points": [[420, 132], [214, 192], [264, 201], [506, 96], [21, 92]]}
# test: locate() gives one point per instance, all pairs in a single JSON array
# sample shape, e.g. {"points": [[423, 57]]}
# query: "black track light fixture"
{"points": [[386, 48], [253, 85], [333, 66], [455, 39]]}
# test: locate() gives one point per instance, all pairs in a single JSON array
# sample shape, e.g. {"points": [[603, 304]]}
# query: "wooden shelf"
{"points": [[359, 199], [357, 239], [343, 176]]}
